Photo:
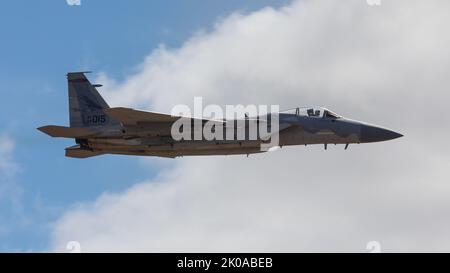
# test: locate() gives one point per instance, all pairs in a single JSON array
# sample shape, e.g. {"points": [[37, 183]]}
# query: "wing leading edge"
{"points": [[128, 116]]}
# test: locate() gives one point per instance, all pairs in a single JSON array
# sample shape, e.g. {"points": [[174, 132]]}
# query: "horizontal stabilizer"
{"points": [[67, 132], [77, 152]]}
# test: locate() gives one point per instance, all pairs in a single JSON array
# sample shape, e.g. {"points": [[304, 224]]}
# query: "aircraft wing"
{"points": [[128, 116]]}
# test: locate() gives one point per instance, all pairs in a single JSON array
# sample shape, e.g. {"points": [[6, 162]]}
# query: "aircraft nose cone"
{"points": [[375, 134]]}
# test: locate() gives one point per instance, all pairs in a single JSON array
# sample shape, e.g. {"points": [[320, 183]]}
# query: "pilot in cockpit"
{"points": [[312, 113]]}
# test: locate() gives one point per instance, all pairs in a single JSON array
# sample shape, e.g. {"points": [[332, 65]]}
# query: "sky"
{"points": [[386, 64], [41, 42]]}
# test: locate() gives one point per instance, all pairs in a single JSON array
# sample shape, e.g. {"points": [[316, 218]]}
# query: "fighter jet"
{"points": [[99, 129]]}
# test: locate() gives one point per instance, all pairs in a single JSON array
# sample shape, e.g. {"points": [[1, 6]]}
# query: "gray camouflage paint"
{"points": [[109, 136]]}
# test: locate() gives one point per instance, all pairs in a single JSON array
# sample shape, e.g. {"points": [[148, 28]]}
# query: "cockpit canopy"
{"points": [[317, 112]]}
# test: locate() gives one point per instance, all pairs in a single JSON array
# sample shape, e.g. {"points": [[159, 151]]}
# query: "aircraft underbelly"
{"points": [[165, 146], [177, 148]]}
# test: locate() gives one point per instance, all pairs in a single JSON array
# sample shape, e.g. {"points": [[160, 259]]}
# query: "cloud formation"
{"points": [[7, 166], [386, 64], [10, 191]]}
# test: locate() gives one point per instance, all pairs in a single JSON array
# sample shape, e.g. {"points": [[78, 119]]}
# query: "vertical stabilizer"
{"points": [[86, 106]]}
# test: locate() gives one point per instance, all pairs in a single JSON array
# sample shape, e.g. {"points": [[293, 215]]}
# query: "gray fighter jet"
{"points": [[99, 129]]}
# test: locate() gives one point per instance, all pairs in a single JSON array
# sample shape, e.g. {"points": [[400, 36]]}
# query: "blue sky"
{"points": [[43, 40]]}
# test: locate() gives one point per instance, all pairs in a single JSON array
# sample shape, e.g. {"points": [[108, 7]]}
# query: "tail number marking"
{"points": [[95, 119]]}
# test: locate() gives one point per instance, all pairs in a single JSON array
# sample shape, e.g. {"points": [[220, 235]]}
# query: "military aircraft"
{"points": [[99, 129]]}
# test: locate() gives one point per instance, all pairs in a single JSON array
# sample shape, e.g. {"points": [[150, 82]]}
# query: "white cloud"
{"points": [[10, 191], [7, 166], [386, 64]]}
